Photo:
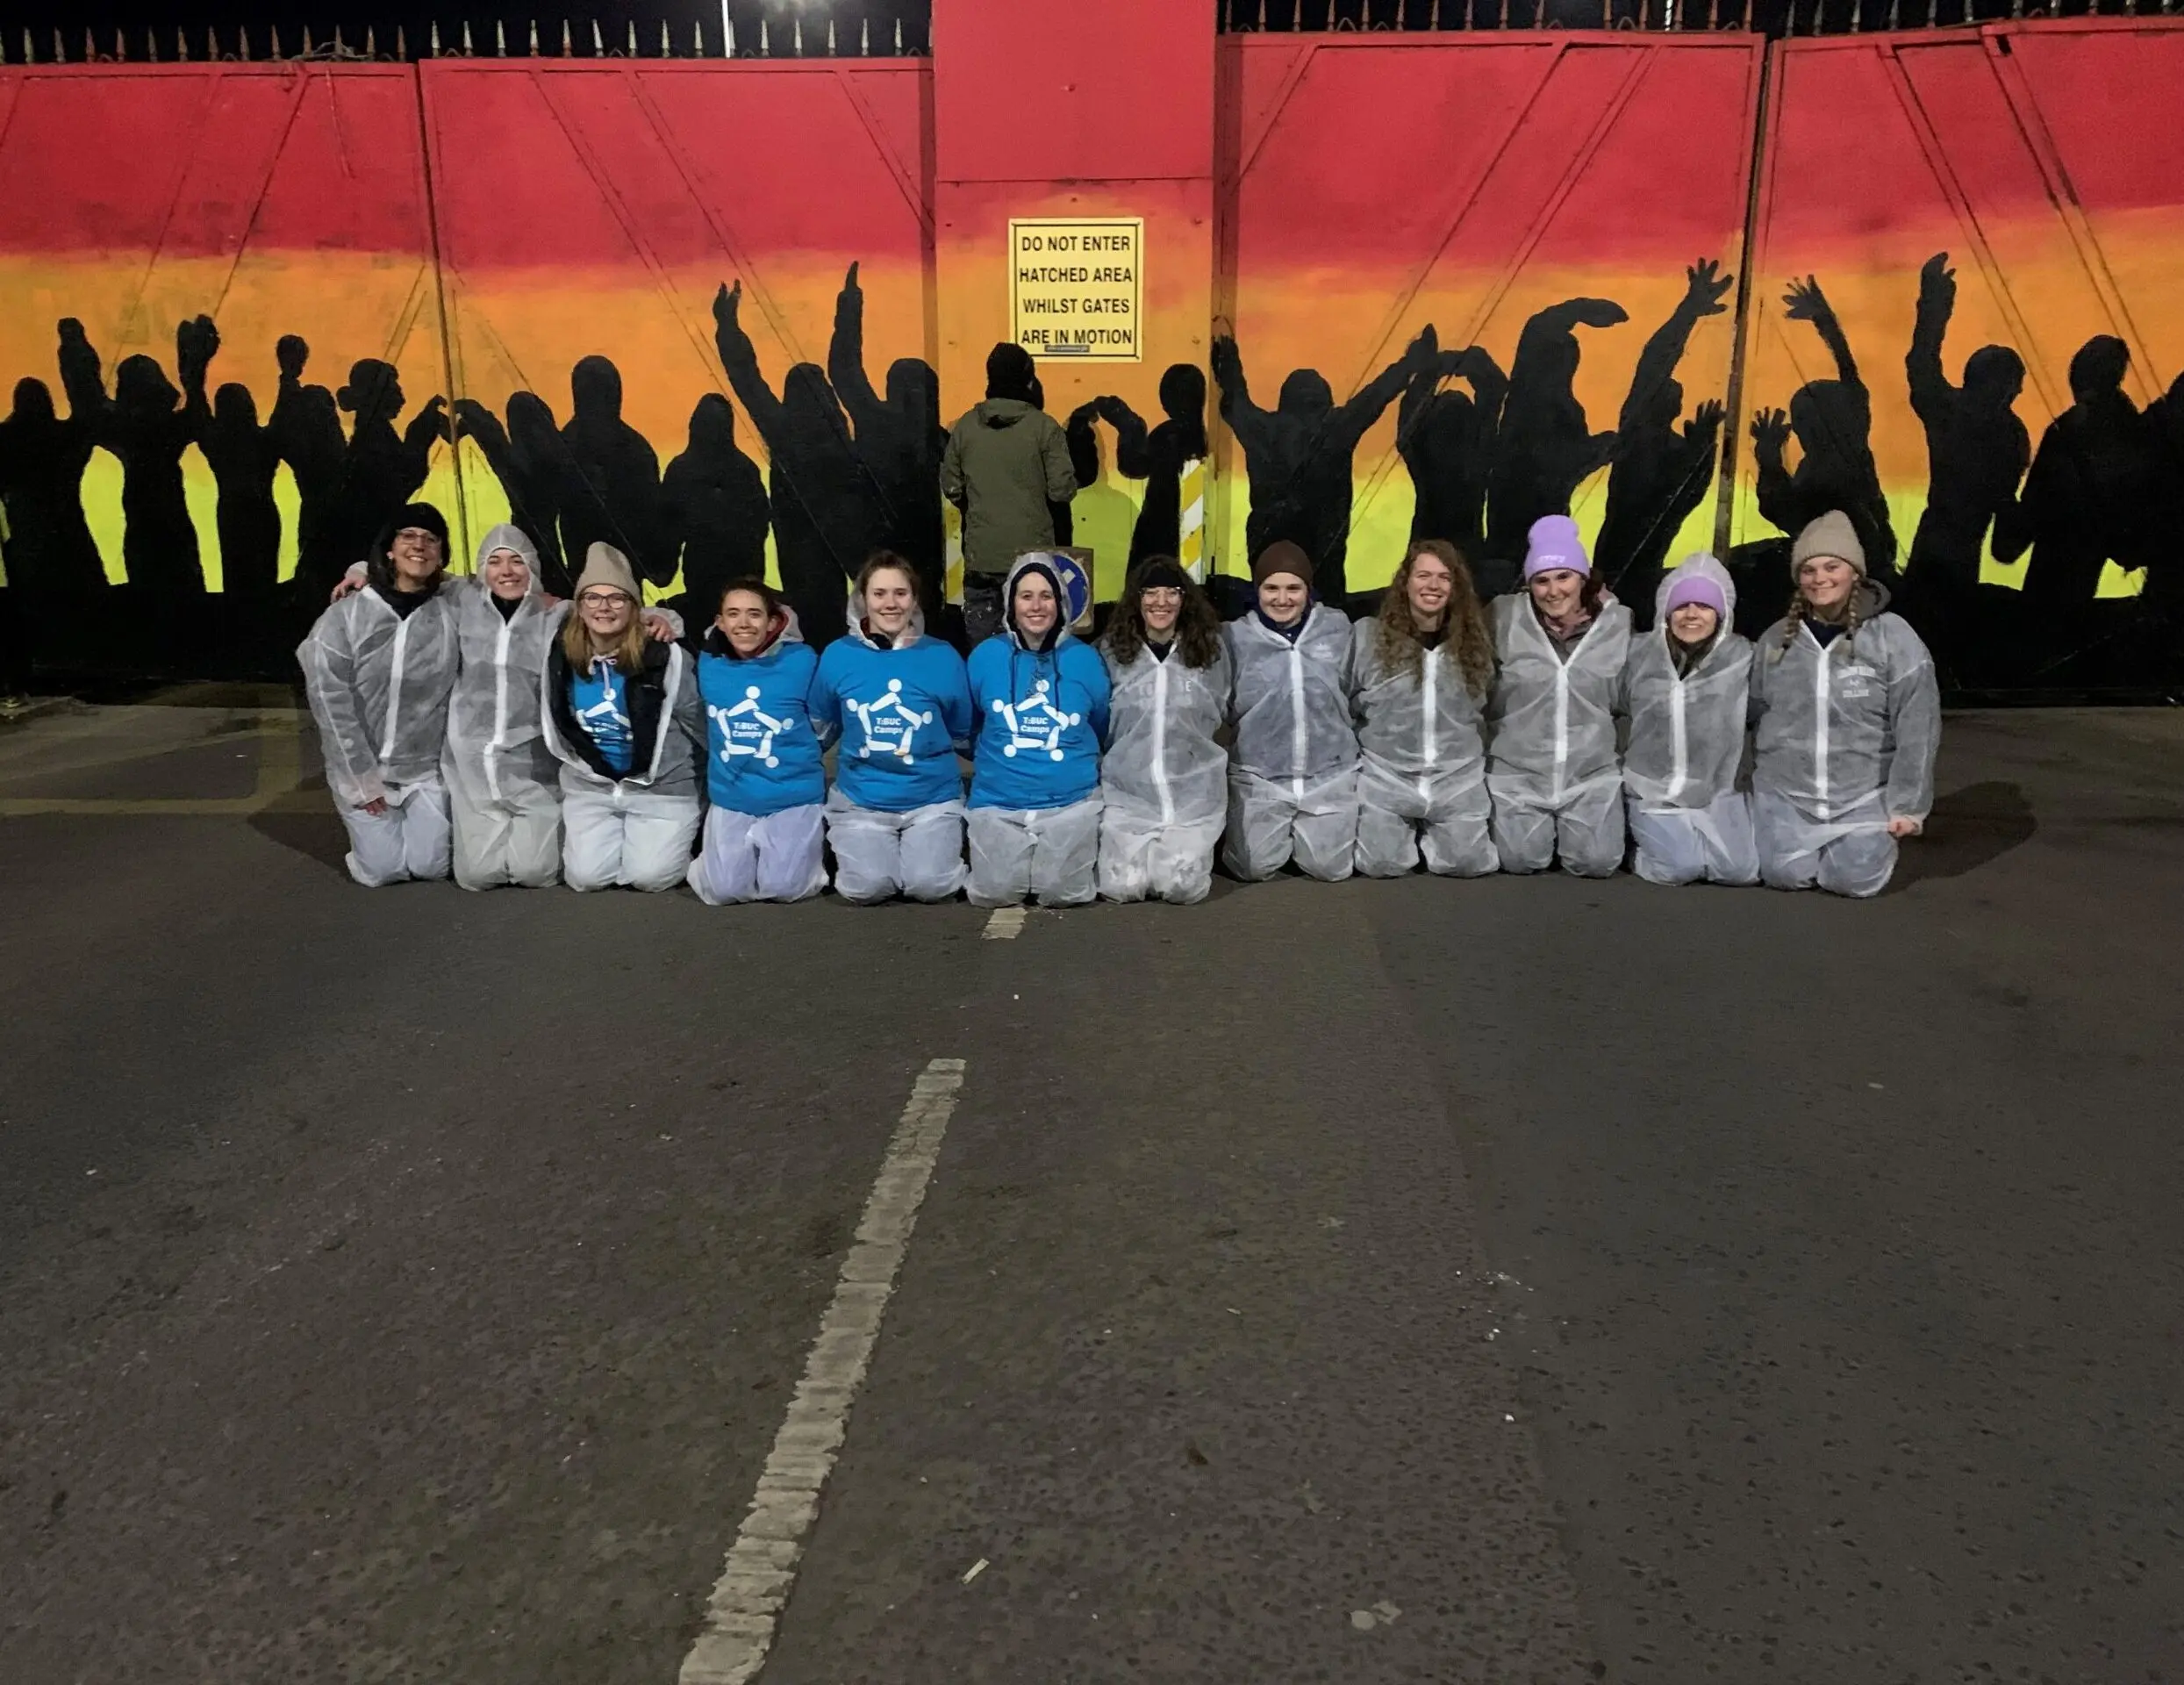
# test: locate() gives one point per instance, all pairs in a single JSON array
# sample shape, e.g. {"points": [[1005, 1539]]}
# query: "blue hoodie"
{"points": [[1042, 714], [761, 749], [899, 713]]}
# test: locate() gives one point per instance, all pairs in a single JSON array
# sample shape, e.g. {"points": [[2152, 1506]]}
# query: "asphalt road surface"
{"points": [[1501, 1281]]}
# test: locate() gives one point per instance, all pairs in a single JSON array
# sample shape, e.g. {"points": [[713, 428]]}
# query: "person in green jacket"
{"points": [[1008, 462]]}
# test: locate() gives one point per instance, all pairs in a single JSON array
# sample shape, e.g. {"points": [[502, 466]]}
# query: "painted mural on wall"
{"points": [[601, 325], [1984, 363]]}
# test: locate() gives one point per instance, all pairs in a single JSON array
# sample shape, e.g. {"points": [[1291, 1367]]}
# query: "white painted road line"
{"points": [[761, 1568], [1005, 925]]}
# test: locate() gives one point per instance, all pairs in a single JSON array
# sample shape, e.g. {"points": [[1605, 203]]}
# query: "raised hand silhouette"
{"points": [[899, 439], [1446, 439], [1832, 421], [1300, 455], [1543, 448], [827, 515], [1977, 451], [1662, 466], [305, 430]]}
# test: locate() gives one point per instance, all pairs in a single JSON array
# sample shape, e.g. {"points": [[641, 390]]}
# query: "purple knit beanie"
{"points": [[1553, 543], [1696, 588]]}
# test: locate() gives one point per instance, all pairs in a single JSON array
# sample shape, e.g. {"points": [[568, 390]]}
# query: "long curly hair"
{"points": [[1198, 628], [1470, 643]]}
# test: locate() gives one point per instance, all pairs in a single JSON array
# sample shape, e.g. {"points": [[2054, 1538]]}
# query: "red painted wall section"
{"points": [[195, 161], [1383, 184], [1067, 90]]}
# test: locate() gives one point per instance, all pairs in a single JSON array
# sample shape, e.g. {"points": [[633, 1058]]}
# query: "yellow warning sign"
{"points": [[1075, 285]]}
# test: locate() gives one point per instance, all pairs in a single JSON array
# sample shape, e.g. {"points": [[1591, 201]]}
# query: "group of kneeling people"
{"points": [[476, 721]]}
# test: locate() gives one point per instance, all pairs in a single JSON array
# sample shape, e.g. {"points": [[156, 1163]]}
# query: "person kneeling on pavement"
{"points": [[1420, 672], [621, 715], [1163, 781], [898, 698], [1685, 689], [1551, 768], [1039, 705], [378, 667], [1292, 775], [1848, 717], [765, 784]]}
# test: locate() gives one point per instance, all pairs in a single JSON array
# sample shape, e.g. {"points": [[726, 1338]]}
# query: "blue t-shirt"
{"points": [[761, 755], [1042, 719], [899, 713], [601, 699]]}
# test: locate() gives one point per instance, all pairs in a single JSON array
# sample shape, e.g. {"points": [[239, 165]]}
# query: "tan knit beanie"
{"points": [[1832, 535], [604, 565]]}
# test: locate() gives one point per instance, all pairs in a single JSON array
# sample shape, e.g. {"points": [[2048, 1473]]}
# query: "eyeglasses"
{"points": [[418, 535], [602, 599]]}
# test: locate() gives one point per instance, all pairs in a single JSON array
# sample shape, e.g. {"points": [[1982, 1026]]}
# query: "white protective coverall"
{"points": [[635, 831], [378, 684], [1846, 742], [502, 784], [1551, 745], [1164, 778], [1421, 772], [1292, 775], [1688, 819]]}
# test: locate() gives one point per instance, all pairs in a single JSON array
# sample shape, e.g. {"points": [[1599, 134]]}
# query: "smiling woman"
{"points": [[621, 715], [378, 667]]}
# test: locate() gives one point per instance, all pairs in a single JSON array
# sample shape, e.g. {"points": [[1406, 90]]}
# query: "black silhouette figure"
{"points": [[2094, 495], [1062, 514], [306, 429], [1543, 449], [529, 461], [1977, 451], [828, 516], [142, 426], [899, 439], [382, 469], [712, 505], [1155, 456], [50, 551], [1833, 420], [1446, 439], [1661, 470], [2162, 595], [243, 457], [610, 486], [1299, 455]]}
